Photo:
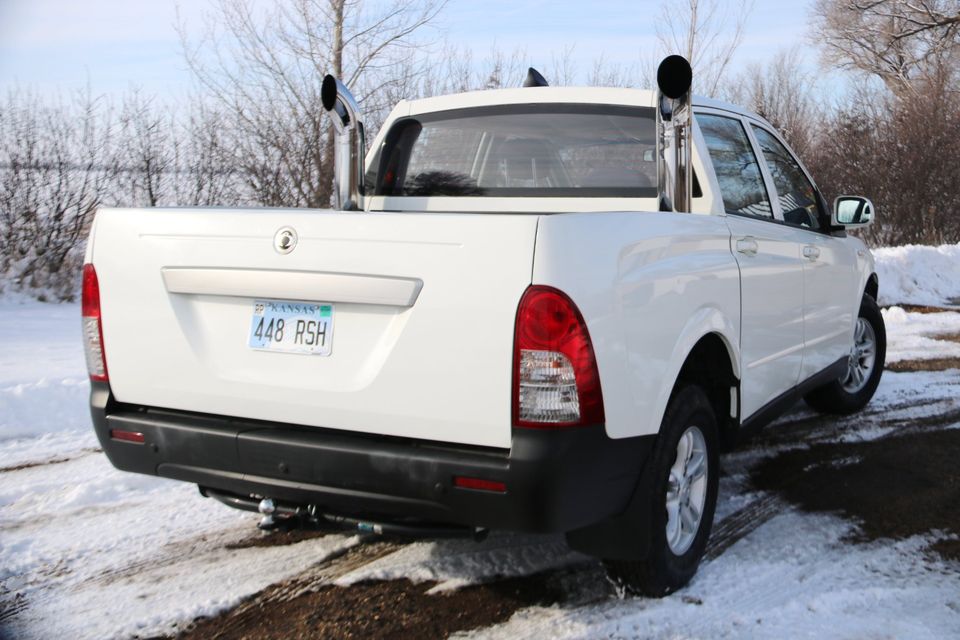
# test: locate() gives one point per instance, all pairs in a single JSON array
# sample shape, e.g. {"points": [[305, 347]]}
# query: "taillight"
{"points": [[92, 329], [555, 377]]}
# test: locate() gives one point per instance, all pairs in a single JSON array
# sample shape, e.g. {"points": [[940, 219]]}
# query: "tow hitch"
{"points": [[285, 517]]}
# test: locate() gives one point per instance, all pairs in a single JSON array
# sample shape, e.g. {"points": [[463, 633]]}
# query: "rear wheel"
{"points": [[853, 390], [685, 471]]}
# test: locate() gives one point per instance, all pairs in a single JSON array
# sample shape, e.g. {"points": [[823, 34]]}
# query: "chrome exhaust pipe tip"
{"points": [[674, 130], [349, 146]]}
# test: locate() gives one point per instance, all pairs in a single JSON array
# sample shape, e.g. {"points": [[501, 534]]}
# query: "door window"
{"points": [[736, 166], [797, 197]]}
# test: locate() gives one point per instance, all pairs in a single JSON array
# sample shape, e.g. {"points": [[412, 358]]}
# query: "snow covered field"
{"points": [[90, 552]]}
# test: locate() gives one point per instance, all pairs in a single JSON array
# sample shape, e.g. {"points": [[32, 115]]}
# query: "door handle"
{"points": [[747, 246], [811, 252]]}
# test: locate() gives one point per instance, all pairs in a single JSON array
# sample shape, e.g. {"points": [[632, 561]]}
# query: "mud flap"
{"points": [[622, 537]]}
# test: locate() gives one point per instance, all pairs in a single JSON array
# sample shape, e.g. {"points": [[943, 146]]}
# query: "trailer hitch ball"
{"points": [[267, 508]]}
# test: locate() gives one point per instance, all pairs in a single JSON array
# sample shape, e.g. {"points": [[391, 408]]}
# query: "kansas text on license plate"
{"points": [[294, 327]]}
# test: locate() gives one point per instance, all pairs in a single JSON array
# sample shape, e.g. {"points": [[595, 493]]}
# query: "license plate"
{"points": [[292, 327]]}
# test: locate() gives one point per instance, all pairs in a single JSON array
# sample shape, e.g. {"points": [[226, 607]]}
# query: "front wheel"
{"points": [[685, 467], [853, 390]]}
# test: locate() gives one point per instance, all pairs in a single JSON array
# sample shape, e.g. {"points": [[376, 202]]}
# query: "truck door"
{"points": [[830, 273], [771, 272]]}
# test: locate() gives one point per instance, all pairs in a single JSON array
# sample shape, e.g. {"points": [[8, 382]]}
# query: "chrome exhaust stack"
{"points": [[674, 131], [349, 147]]}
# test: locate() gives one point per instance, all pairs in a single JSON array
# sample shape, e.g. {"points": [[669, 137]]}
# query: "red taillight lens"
{"points": [[92, 329], [555, 377], [127, 436]]}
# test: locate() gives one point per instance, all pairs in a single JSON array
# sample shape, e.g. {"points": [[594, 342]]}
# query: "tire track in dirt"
{"points": [[11, 606], [581, 584], [187, 550], [50, 461], [233, 622], [742, 523]]}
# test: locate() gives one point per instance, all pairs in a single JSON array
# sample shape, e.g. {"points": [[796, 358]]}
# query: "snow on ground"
{"points": [[919, 274], [87, 551], [455, 563], [94, 552], [43, 381], [793, 577], [901, 400], [913, 336]]}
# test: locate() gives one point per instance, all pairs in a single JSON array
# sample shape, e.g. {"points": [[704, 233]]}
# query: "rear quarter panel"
{"points": [[649, 286]]}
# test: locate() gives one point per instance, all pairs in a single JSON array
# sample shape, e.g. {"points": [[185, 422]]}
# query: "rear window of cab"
{"points": [[558, 150]]}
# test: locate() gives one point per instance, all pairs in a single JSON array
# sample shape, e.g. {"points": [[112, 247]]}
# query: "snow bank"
{"points": [[917, 274], [42, 407]]}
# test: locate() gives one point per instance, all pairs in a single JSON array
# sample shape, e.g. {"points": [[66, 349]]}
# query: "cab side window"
{"points": [[797, 197], [736, 166]]}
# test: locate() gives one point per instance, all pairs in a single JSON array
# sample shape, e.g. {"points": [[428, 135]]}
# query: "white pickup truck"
{"points": [[542, 309]]}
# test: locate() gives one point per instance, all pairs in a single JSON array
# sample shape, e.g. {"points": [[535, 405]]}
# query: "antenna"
{"points": [[535, 79]]}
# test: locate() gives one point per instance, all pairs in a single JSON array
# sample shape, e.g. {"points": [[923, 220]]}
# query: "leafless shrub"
{"points": [[205, 172], [55, 168], [145, 152], [900, 153]]}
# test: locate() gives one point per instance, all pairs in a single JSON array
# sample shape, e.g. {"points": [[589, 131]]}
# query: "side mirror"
{"points": [[852, 212]]}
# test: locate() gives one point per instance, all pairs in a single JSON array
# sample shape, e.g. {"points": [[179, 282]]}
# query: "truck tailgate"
{"points": [[423, 308]]}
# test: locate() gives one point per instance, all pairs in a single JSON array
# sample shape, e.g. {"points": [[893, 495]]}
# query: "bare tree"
{"points": [[144, 152], [502, 69], [783, 93], [450, 69], [707, 33], [902, 42], [205, 174], [603, 73], [562, 70], [267, 72]]}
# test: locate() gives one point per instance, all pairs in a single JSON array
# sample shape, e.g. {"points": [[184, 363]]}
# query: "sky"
{"points": [[57, 46]]}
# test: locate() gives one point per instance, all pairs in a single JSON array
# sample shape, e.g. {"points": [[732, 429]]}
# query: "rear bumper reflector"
{"points": [[127, 436], [479, 484]]}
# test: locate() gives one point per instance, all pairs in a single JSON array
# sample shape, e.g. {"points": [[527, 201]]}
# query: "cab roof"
{"points": [[543, 95]]}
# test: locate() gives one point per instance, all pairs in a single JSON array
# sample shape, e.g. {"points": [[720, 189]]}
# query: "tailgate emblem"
{"points": [[285, 240]]}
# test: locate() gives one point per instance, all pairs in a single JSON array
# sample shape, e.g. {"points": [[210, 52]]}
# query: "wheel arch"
{"points": [[707, 346], [872, 287], [710, 365], [628, 536]]}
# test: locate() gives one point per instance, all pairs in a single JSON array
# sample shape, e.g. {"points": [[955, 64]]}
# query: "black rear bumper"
{"points": [[556, 480]]}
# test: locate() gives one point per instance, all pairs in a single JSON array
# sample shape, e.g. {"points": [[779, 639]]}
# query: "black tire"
{"points": [[663, 571], [834, 397]]}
